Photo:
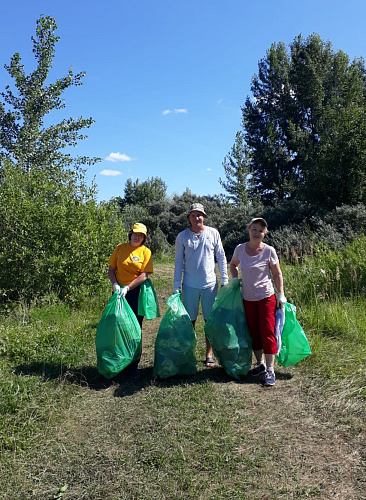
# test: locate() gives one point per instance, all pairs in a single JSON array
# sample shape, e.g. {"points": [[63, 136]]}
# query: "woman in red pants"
{"points": [[259, 264]]}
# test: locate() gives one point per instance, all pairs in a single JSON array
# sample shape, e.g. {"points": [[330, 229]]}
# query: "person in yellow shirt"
{"points": [[130, 265]]}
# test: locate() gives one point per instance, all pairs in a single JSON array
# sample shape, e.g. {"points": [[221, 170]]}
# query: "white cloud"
{"points": [[220, 101], [114, 157], [177, 110], [208, 169], [110, 173]]}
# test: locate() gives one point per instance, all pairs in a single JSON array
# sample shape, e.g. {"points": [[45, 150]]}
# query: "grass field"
{"points": [[64, 433]]}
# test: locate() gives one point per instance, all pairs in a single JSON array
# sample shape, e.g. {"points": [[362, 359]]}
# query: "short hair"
{"points": [[143, 241]]}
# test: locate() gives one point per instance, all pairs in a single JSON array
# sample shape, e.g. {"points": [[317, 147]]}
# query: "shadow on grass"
{"points": [[127, 387], [124, 383], [85, 376]]}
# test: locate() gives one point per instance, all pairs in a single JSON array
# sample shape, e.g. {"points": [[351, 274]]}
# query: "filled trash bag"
{"points": [[118, 337], [148, 305], [295, 345], [228, 332], [175, 343]]}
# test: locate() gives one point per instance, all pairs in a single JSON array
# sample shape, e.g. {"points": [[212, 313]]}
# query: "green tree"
{"points": [[332, 135], [268, 120], [305, 125], [148, 203], [237, 172], [54, 237], [143, 193], [23, 136]]}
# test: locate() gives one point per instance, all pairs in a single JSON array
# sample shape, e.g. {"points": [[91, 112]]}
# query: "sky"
{"points": [[166, 79]]}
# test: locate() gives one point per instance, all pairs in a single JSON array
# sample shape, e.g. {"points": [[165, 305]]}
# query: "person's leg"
{"points": [[267, 317], [252, 315], [190, 300], [132, 298], [207, 300]]}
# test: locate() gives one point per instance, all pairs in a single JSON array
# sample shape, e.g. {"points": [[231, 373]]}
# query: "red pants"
{"points": [[261, 316]]}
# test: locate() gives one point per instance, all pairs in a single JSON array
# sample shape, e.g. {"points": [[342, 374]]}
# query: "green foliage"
{"points": [[305, 126], [143, 193], [23, 137], [237, 172], [328, 274], [54, 238]]}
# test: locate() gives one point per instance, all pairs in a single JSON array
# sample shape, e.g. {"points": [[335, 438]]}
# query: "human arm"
{"points": [[137, 281], [221, 261], [112, 277], [234, 263], [178, 265], [278, 280]]}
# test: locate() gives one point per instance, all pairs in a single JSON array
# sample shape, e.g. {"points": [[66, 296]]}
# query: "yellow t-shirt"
{"points": [[130, 262]]}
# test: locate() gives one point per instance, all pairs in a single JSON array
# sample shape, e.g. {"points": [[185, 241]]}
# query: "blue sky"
{"points": [[165, 79]]}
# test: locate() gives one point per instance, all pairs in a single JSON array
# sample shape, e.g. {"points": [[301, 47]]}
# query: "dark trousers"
{"points": [[132, 298]]}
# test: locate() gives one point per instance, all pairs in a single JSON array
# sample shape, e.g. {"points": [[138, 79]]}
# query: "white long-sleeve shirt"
{"points": [[195, 258]]}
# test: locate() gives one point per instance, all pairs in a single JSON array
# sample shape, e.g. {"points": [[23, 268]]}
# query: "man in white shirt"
{"points": [[196, 249]]}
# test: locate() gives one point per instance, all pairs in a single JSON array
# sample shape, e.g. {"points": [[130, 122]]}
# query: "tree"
{"points": [[143, 193], [148, 203], [268, 119], [54, 238], [23, 137], [237, 172], [305, 127]]}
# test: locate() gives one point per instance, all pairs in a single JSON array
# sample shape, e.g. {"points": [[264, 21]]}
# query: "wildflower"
{"points": [[322, 271]]}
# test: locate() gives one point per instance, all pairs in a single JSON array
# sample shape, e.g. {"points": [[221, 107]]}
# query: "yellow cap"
{"points": [[139, 228]]}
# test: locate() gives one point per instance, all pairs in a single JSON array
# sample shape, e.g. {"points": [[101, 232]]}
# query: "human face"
{"points": [[196, 219], [136, 239], [256, 233]]}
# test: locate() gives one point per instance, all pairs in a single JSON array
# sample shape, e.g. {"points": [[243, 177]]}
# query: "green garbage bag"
{"points": [[294, 344], [118, 337], [228, 332], [175, 343], [148, 304]]}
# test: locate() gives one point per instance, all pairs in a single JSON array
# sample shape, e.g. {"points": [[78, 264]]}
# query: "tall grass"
{"points": [[328, 289], [328, 275]]}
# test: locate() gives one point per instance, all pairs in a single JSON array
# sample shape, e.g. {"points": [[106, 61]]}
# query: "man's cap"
{"points": [[198, 207], [258, 219], [138, 227]]}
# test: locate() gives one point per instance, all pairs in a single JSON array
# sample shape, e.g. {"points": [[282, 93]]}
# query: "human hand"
{"points": [[281, 299], [234, 278], [116, 287], [176, 291], [124, 291]]}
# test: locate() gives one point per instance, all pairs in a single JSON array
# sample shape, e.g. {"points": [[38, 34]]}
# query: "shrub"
{"points": [[54, 238]]}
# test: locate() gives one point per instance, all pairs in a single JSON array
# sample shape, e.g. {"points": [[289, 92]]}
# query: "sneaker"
{"points": [[269, 379], [259, 369]]}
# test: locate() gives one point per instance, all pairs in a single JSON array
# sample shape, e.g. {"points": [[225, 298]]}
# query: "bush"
{"points": [[54, 238]]}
